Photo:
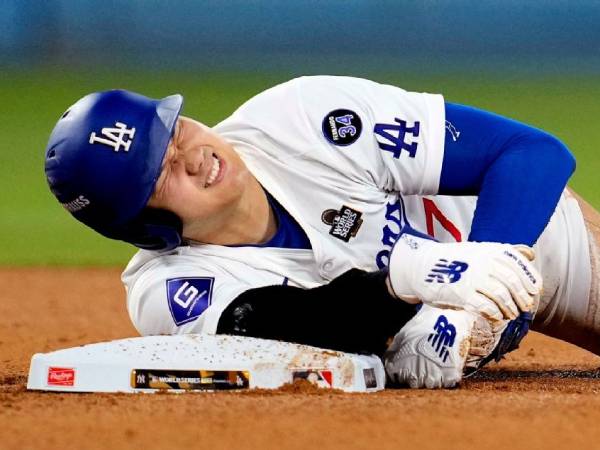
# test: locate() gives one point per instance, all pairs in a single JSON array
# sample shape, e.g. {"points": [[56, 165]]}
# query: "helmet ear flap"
{"points": [[155, 229]]}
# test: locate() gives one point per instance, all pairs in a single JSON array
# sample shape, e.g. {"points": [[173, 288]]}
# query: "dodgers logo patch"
{"points": [[188, 298], [342, 127]]}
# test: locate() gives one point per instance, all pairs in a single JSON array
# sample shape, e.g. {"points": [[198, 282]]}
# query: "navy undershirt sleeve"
{"points": [[517, 171]]}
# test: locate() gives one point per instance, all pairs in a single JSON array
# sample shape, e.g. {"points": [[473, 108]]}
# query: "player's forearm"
{"points": [[353, 313], [518, 173], [519, 194]]}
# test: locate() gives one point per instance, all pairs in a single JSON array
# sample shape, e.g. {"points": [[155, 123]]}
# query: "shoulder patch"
{"points": [[189, 297], [342, 127]]}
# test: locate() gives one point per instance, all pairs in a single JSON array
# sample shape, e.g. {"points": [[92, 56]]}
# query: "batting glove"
{"points": [[491, 279], [431, 350]]}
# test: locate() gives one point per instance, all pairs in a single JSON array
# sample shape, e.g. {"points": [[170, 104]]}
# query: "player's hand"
{"points": [[494, 280], [435, 347], [431, 350]]}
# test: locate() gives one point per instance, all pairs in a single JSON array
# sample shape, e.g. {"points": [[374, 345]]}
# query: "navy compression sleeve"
{"points": [[517, 171]]}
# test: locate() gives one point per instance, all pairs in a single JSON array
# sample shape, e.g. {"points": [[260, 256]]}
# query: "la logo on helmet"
{"points": [[114, 137]]}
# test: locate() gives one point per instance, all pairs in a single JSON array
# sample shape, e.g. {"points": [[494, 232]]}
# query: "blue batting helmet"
{"points": [[102, 162]]}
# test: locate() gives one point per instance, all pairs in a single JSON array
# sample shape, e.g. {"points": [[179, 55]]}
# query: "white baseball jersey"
{"points": [[352, 161]]}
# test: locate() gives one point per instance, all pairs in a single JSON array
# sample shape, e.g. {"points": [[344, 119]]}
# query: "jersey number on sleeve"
{"points": [[431, 212]]}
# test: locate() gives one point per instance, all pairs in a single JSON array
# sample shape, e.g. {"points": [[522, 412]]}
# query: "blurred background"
{"points": [[536, 61]]}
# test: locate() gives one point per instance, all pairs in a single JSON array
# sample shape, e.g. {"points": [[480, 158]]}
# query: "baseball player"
{"points": [[340, 213]]}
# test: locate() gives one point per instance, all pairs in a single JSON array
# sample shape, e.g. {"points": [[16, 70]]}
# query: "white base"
{"points": [[197, 362]]}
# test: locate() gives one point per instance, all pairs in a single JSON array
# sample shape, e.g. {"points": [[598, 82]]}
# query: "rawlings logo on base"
{"points": [[61, 376]]}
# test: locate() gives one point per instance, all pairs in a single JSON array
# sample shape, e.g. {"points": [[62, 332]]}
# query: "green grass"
{"points": [[35, 230]]}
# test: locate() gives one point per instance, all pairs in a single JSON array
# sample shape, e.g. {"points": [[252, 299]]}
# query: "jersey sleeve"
{"points": [[371, 132], [172, 295]]}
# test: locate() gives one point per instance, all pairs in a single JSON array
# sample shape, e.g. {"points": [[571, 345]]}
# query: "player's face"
{"points": [[202, 178]]}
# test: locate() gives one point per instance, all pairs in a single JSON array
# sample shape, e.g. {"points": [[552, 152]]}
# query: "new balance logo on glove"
{"points": [[442, 338], [446, 272]]}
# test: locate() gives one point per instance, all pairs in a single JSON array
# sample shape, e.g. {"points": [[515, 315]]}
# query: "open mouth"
{"points": [[214, 171]]}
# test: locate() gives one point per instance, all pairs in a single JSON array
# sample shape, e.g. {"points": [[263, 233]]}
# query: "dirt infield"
{"points": [[546, 395]]}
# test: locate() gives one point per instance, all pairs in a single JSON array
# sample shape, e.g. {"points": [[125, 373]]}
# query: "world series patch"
{"points": [[345, 223], [342, 127], [190, 380]]}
